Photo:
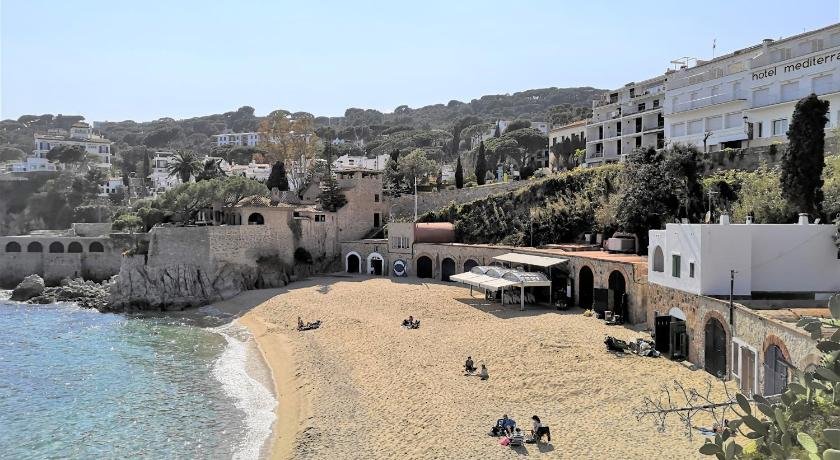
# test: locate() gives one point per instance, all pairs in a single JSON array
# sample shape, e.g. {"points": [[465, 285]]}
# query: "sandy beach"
{"points": [[363, 387]]}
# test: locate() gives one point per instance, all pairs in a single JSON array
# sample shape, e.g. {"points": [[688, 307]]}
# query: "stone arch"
{"points": [[56, 247], [375, 264], [256, 218], [448, 267], [677, 312], [34, 247], [658, 259], [469, 264], [715, 353], [353, 262], [425, 267], [96, 246], [74, 247], [12, 246], [586, 286]]}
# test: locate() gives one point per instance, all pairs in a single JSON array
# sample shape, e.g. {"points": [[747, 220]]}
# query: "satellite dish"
{"points": [[708, 217]]}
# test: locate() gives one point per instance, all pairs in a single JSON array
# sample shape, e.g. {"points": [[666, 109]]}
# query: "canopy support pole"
{"points": [[522, 297]]}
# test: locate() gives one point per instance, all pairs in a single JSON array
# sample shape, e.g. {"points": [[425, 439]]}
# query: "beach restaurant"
{"points": [[498, 277]]}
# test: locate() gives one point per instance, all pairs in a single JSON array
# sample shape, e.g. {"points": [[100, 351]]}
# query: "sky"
{"points": [[117, 60]]}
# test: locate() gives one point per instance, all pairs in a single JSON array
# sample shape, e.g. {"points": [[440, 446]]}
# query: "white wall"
{"points": [[725, 248], [794, 258]]}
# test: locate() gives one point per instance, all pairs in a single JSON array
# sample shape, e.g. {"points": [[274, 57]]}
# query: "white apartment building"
{"points": [[237, 139], [81, 135], [698, 258], [574, 132], [159, 176], [626, 119], [747, 97], [361, 162]]}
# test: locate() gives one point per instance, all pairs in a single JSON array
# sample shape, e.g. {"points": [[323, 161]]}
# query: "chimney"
{"points": [[724, 219], [803, 218], [749, 220]]}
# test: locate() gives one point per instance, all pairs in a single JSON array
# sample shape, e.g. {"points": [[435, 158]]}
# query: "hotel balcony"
{"points": [[707, 102], [785, 97]]}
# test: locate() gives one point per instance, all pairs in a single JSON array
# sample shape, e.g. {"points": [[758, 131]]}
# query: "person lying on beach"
{"points": [[504, 426], [308, 326], [484, 374], [469, 366], [411, 323]]}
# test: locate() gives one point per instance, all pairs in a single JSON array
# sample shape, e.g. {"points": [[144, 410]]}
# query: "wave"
{"points": [[249, 395]]}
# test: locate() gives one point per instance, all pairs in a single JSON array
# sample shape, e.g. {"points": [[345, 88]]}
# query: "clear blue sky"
{"points": [[116, 60]]}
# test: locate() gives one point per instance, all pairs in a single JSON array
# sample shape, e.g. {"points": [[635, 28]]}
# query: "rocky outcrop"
{"points": [[31, 286], [86, 294], [176, 287]]}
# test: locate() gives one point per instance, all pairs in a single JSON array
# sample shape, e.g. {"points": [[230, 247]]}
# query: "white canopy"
{"points": [[528, 259]]}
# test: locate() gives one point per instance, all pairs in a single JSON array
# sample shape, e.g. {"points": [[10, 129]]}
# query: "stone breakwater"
{"points": [[87, 294]]}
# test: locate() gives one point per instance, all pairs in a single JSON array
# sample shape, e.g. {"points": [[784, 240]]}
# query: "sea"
{"points": [[76, 383]]}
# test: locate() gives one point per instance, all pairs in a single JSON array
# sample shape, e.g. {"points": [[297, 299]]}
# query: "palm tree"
{"points": [[184, 164]]}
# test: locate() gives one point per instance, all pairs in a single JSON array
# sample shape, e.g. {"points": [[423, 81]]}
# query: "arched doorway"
{"points": [[469, 264], [424, 267], [12, 246], [658, 260], [375, 261], [34, 247], [447, 269], [56, 247], [715, 348], [353, 263], [74, 247], [96, 246], [256, 219], [775, 371], [586, 284], [618, 289]]}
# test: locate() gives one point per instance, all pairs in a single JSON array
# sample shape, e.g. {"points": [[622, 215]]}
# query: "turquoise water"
{"points": [[77, 383]]}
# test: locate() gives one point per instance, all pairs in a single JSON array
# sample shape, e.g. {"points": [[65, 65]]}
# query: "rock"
{"points": [[31, 286], [179, 286]]}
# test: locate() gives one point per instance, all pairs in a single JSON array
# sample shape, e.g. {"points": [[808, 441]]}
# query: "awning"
{"points": [[473, 279], [497, 283], [527, 259]]}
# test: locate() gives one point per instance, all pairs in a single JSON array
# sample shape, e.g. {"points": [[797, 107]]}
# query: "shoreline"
{"points": [[275, 349]]}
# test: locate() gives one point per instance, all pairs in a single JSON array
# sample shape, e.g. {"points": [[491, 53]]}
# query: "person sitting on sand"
{"points": [[408, 322], [504, 426], [469, 366], [517, 438], [300, 323], [484, 374]]}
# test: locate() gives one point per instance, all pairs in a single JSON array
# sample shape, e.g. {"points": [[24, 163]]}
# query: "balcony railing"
{"points": [[707, 101], [779, 98]]}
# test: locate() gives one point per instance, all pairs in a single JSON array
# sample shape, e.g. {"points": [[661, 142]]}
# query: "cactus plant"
{"points": [[804, 422]]}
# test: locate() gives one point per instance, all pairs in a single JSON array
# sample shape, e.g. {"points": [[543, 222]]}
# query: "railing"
{"points": [[707, 101], [779, 98]]}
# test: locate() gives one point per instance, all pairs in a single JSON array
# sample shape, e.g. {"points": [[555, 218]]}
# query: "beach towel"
{"points": [[505, 441]]}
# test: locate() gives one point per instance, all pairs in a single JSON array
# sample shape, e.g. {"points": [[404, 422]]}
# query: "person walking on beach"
{"points": [[484, 374]]}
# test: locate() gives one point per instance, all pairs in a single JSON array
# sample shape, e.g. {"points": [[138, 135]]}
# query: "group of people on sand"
{"points": [[301, 326], [470, 369], [411, 323], [511, 434]]}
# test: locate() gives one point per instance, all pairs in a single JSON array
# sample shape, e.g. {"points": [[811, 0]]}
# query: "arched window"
{"points": [[96, 246], [256, 219], [34, 247], [12, 246], [74, 247], [56, 247], [658, 260]]}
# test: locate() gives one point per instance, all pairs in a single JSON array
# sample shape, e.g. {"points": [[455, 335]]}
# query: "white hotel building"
{"points": [[626, 119], [237, 139], [746, 98], [742, 99]]}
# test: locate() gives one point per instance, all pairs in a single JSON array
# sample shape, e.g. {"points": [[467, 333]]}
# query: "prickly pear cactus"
{"points": [[805, 421]]}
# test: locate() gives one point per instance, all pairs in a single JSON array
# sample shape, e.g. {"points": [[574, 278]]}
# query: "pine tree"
{"points": [[278, 177], [459, 174], [480, 165], [146, 166], [803, 162], [331, 198]]}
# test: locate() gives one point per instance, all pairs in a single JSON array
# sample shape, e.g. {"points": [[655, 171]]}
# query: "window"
{"points": [[780, 127], [691, 270], [695, 127], [677, 129], [790, 91], [822, 84], [376, 198], [320, 218], [714, 123], [656, 103], [736, 351], [658, 260], [761, 96], [641, 107], [759, 129], [675, 265]]}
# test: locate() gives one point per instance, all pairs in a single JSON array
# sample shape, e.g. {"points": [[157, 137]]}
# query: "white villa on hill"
{"points": [[97, 148]]}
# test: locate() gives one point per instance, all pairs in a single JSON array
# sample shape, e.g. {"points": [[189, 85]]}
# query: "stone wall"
{"points": [[753, 157], [356, 218], [54, 266], [403, 206]]}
